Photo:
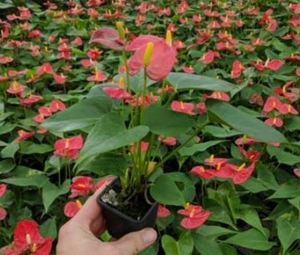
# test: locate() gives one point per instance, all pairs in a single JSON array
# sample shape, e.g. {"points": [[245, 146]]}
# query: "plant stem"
{"points": [[173, 153]]}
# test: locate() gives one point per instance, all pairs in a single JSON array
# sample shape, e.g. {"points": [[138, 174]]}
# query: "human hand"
{"points": [[79, 235]]}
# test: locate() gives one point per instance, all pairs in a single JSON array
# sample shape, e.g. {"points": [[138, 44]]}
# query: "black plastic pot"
{"points": [[118, 223]]}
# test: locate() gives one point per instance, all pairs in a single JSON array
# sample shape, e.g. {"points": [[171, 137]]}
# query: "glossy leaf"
{"points": [[183, 81], [244, 122]]}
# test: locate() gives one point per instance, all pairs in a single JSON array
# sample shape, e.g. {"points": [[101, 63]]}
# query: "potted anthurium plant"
{"points": [[139, 121]]}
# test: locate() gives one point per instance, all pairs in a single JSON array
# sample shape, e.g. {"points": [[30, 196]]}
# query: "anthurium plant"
{"points": [[193, 106]]}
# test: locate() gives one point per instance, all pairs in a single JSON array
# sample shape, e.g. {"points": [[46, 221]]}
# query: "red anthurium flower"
{"points": [[202, 109], [161, 52], [195, 216], [163, 212], [59, 78], [298, 71], [170, 141], [69, 147], [210, 56], [145, 101], [297, 172], [3, 189], [243, 173], [5, 60], [86, 63], [3, 214], [16, 88], [24, 135], [216, 162], [245, 141], [81, 186], [256, 99], [99, 76], [39, 118], [274, 65], [203, 37], [287, 109], [226, 171], [35, 34], [237, 69], [77, 41], [28, 240], [271, 104], [218, 95], [45, 69], [57, 106], [295, 8], [117, 93], [250, 155], [72, 208], [277, 122], [32, 99], [94, 54], [188, 69], [179, 106], [45, 111], [107, 37], [201, 172]]}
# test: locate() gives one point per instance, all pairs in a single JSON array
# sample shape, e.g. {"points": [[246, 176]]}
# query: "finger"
{"points": [[91, 211], [136, 242]]}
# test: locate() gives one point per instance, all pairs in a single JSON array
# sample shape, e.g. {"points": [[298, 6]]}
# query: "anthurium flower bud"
{"points": [[148, 53], [169, 38], [121, 30]]}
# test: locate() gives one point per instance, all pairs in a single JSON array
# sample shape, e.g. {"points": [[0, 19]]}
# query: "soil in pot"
{"points": [[126, 214]]}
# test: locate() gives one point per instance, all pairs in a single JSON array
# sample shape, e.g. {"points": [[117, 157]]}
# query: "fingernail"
{"points": [[149, 235]]}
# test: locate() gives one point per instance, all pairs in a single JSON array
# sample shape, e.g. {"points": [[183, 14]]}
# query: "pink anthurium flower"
{"points": [[72, 208], [179, 106], [28, 240], [201, 172], [81, 186], [163, 212], [161, 52], [195, 216], [69, 147], [107, 37]]}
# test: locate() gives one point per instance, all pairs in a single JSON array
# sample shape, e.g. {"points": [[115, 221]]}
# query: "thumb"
{"points": [[136, 242]]}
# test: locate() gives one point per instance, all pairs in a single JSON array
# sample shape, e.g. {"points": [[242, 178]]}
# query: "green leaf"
{"points": [[6, 166], [37, 181], [163, 121], [184, 246], [251, 239], [288, 232], [83, 114], [109, 134], [293, 124], [206, 246], [290, 189], [28, 148], [282, 156], [214, 231], [49, 229], [152, 250], [104, 164], [52, 192], [191, 81], [220, 132], [10, 150], [251, 217], [200, 147], [165, 191], [244, 122]]}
